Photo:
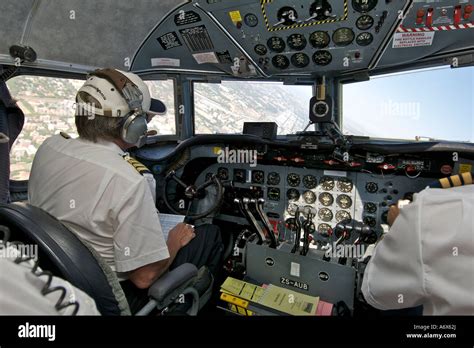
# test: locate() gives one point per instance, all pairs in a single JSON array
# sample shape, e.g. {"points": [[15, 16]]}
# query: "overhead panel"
{"points": [[273, 37]]}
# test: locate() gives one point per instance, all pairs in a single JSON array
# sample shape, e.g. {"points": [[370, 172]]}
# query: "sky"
{"points": [[432, 103]]}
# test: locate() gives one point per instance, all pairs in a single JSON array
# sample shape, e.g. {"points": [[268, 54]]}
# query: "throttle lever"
{"points": [[243, 205], [259, 204], [306, 229], [296, 247]]}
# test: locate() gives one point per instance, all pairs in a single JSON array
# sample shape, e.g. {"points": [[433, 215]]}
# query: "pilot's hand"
{"points": [[181, 235], [395, 211]]}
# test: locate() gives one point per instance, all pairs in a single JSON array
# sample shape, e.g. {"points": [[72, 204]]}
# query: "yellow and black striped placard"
{"points": [[264, 3]]}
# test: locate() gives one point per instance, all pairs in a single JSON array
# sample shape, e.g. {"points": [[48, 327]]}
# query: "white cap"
{"points": [[100, 97]]}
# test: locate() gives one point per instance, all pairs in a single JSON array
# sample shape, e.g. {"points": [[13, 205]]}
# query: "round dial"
{"points": [[325, 230], [276, 44], [258, 177], [287, 15], [261, 50], [343, 36], [327, 183], [364, 39], [342, 215], [326, 199], [293, 194], [308, 210], [320, 10], [223, 173], [310, 182], [325, 215], [293, 180], [364, 5], [309, 197], [319, 39], [322, 58], [297, 42], [251, 20], [344, 201], [273, 178], [372, 187], [280, 62], [345, 185], [292, 208], [365, 22], [370, 221], [273, 193], [370, 208], [240, 175], [300, 60]]}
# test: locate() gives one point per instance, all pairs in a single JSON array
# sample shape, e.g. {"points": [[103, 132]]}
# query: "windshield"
{"points": [[223, 108], [416, 105]]}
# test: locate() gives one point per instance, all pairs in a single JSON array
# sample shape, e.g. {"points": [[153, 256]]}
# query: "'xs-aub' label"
{"points": [[294, 283]]}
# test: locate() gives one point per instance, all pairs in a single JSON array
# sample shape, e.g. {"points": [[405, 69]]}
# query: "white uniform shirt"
{"points": [[427, 258], [100, 197]]}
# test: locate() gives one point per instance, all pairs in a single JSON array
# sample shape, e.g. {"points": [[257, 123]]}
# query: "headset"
{"points": [[134, 125]]}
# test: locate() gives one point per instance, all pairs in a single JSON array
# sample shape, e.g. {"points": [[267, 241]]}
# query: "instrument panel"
{"points": [[333, 196]]}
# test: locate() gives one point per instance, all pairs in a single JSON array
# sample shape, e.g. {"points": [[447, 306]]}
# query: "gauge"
{"points": [[327, 183], [370, 221], [309, 197], [325, 214], [293, 194], [365, 22], [300, 60], [370, 208], [273, 178], [320, 10], [293, 180], [364, 5], [345, 185], [287, 16], [223, 173], [310, 182], [343, 36], [273, 194], [296, 42], [292, 208], [372, 187], [308, 210], [342, 215], [344, 201], [240, 175], [276, 44], [326, 199], [319, 39], [251, 20], [280, 62], [364, 39], [258, 177], [322, 58], [261, 50], [325, 230]]}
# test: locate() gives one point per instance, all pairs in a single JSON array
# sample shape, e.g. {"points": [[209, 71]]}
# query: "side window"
{"points": [[164, 91], [48, 104]]}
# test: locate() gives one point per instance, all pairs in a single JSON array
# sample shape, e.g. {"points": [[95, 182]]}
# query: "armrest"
{"points": [[172, 281]]}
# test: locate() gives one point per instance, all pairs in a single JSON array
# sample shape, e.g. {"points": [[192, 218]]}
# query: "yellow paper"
{"points": [[235, 16], [465, 168], [289, 301], [244, 290]]}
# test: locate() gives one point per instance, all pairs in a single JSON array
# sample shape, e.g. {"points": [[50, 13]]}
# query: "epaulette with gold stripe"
{"points": [[454, 181], [139, 167]]}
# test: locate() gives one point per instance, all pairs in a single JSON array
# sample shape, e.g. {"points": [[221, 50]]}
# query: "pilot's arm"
{"points": [[140, 249], [393, 278]]}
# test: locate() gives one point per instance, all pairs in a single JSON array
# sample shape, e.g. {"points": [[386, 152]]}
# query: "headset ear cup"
{"points": [[134, 127]]}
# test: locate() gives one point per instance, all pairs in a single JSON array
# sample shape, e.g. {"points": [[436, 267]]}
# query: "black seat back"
{"points": [[61, 250]]}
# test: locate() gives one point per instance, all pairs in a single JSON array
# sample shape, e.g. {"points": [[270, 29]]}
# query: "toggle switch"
{"points": [[457, 15], [468, 11], [429, 17]]}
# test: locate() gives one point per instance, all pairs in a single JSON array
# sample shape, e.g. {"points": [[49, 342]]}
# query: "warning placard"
{"points": [[404, 40]]}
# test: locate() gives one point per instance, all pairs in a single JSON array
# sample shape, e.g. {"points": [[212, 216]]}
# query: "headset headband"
{"points": [[129, 90]]}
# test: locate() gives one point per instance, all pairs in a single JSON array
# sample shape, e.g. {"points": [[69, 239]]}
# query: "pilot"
{"points": [[106, 198], [427, 258]]}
